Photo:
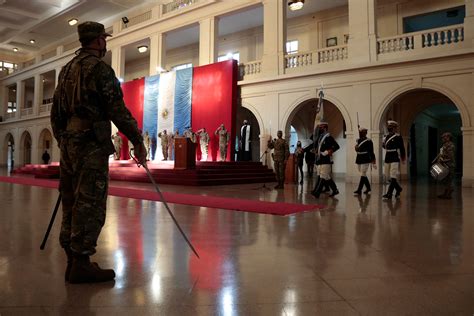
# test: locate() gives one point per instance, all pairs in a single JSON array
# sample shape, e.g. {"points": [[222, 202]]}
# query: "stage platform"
{"points": [[206, 173]]}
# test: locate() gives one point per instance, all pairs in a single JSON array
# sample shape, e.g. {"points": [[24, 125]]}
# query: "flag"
{"points": [[319, 111]]}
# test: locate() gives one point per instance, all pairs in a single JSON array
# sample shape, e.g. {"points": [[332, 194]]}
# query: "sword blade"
{"points": [[169, 211]]}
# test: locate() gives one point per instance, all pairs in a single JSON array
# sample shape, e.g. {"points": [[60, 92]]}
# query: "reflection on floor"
{"points": [[357, 256]]}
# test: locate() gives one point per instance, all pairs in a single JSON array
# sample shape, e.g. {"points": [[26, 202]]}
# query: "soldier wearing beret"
{"points": [[87, 99]]}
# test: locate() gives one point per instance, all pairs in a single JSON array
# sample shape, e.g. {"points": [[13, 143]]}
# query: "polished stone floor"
{"points": [[413, 256]]}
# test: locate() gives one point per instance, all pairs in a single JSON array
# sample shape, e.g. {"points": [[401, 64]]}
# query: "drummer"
{"points": [[446, 157], [394, 153]]}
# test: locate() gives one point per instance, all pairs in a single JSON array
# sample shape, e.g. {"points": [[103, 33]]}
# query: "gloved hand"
{"points": [[140, 153]]}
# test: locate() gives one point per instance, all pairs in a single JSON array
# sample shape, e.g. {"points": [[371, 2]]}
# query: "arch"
{"points": [[45, 142], [26, 143], [397, 93]]}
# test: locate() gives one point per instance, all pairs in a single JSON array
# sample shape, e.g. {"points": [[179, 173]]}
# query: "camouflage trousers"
{"points": [[84, 171], [223, 151], [280, 171]]}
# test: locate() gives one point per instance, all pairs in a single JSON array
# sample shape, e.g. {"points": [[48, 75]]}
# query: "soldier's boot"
{"points": [[70, 258], [317, 191], [359, 188], [398, 189], [326, 187], [318, 180], [83, 271], [333, 187], [367, 185], [391, 187]]}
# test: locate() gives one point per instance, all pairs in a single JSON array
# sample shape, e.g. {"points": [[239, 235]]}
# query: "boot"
{"points": [[367, 185], [359, 188], [391, 187], [69, 263], [318, 180], [83, 271], [333, 187], [317, 191], [398, 189]]}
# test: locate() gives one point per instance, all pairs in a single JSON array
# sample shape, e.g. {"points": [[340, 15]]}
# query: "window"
{"points": [[182, 66], [292, 47], [11, 107], [8, 67], [235, 56]]}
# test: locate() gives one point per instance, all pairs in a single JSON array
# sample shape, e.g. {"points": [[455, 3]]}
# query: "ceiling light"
{"points": [[295, 4], [32, 41], [72, 22], [142, 49], [15, 49]]}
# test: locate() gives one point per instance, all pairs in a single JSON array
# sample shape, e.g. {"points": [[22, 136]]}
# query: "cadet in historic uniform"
{"points": [[224, 137], [447, 157], [165, 141], [280, 157], [88, 97], [326, 145], [365, 156], [117, 140], [394, 152], [203, 142]]}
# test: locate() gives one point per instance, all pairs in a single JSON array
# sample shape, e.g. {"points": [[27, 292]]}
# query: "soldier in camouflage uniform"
{"points": [[223, 141], [203, 142], [280, 157], [88, 97], [165, 141], [447, 157]]}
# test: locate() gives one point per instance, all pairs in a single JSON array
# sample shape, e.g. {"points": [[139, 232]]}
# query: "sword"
{"points": [[46, 235], [164, 202]]}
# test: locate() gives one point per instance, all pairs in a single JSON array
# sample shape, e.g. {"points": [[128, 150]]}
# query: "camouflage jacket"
{"points": [[282, 150], [446, 154], [88, 90]]}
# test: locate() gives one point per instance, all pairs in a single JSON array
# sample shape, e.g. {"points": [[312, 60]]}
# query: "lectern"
{"points": [[184, 153], [290, 170]]}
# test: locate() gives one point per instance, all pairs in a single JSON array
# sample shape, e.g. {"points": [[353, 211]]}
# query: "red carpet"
{"points": [[274, 208]]}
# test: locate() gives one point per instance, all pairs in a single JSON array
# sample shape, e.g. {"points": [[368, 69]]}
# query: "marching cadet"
{"points": [[224, 137], [365, 156], [394, 152], [326, 146], [280, 157]]}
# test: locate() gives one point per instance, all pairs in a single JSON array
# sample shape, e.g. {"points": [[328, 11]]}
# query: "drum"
{"points": [[439, 171]]}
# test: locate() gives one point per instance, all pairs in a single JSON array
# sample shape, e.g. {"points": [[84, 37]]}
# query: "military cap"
{"points": [[392, 123], [323, 123], [90, 30], [361, 129]]}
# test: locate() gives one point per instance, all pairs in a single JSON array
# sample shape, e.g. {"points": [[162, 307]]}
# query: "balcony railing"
{"points": [[45, 108], [9, 116], [250, 68], [135, 20], [319, 56], [445, 36], [26, 112]]}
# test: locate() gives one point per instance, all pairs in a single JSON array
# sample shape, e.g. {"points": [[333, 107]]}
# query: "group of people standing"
{"points": [[324, 145]]}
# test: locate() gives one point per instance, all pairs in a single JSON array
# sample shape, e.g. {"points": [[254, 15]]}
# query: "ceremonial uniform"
{"points": [[280, 156], [394, 153], [204, 143], [245, 142], [447, 157], [325, 146], [365, 156], [165, 140]]}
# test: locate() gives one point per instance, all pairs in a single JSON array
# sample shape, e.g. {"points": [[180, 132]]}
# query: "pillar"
{"points": [[208, 38], [274, 37]]}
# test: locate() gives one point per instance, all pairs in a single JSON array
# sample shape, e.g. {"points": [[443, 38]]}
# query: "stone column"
{"points": [[468, 153], [362, 44], [469, 23], [208, 38], [274, 37], [157, 52], [38, 93], [118, 62], [20, 98]]}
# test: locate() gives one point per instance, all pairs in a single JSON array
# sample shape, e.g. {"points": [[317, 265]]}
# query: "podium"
{"points": [[291, 173], [184, 153]]}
